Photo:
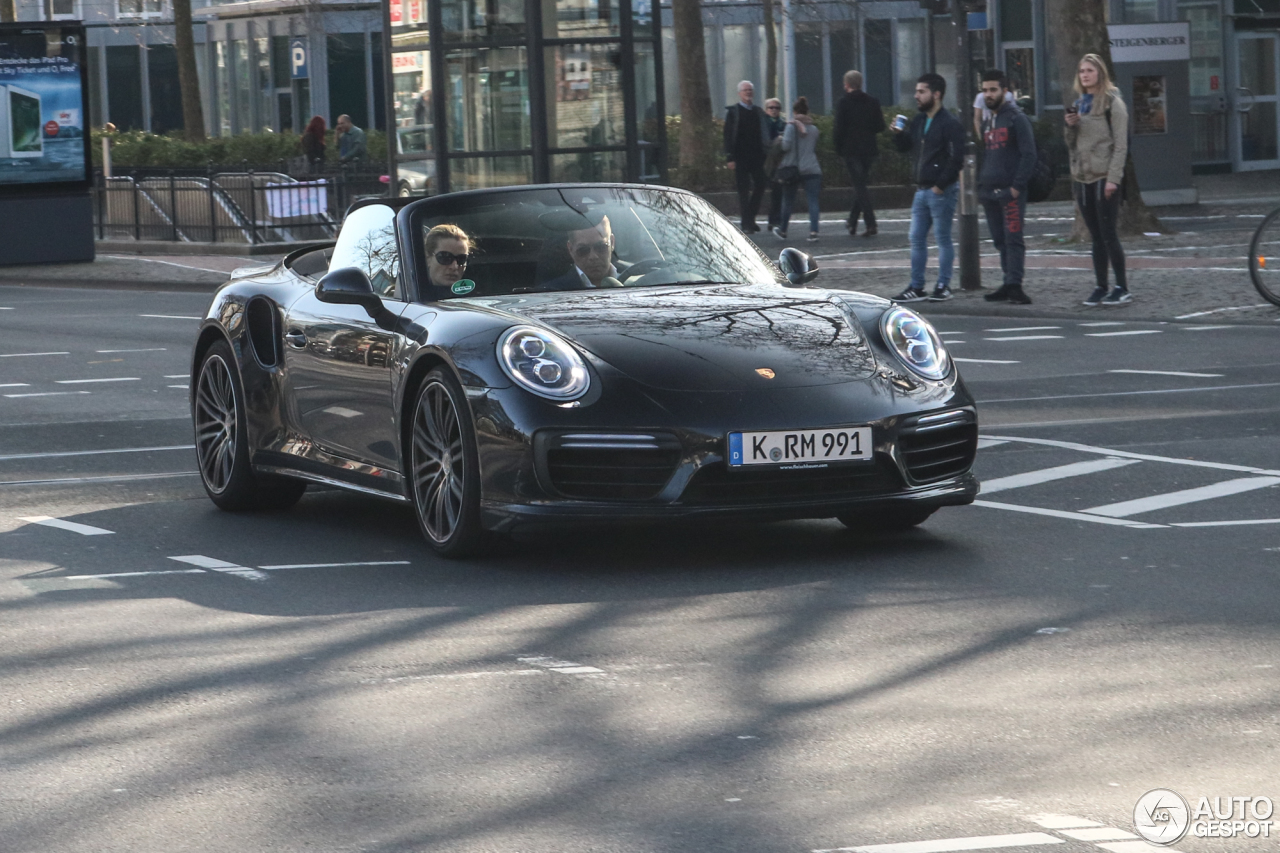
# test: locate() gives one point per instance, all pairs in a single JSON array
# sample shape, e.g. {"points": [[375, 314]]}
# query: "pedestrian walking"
{"points": [[746, 138], [1097, 131], [800, 166], [935, 139], [773, 156], [1009, 158], [312, 143], [859, 120]]}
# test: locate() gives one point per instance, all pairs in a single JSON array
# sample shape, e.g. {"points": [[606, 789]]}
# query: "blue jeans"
{"points": [[929, 209], [812, 189]]}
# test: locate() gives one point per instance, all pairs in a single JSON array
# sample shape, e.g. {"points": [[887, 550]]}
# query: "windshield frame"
{"points": [[411, 218]]}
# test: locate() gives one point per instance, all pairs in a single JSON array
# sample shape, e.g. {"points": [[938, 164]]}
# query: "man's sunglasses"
{"points": [[444, 259], [603, 247]]}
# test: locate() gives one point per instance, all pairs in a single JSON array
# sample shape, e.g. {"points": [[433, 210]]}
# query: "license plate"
{"points": [[805, 447]]}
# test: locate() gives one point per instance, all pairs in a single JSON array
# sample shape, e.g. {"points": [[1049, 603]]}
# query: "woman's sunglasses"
{"points": [[444, 259]]}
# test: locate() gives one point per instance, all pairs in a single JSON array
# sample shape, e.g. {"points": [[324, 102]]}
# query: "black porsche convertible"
{"points": [[579, 353]]}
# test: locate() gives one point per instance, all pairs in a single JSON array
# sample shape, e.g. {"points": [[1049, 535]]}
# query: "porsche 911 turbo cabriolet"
{"points": [[572, 353]]}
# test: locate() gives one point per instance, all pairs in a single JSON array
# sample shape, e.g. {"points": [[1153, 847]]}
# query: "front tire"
{"points": [[445, 466], [222, 442], [885, 521]]}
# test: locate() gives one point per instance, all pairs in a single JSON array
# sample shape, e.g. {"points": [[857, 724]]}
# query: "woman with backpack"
{"points": [[1097, 135], [799, 165]]}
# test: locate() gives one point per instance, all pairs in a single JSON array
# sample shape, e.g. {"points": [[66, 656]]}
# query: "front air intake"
{"points": [[938, 446], [607, 466]]}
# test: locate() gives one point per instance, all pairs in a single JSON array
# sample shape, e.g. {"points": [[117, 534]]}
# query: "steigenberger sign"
{"points": [[1150, 42]]}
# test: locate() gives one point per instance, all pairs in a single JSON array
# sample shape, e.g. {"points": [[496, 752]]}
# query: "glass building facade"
{"points": [[502, 92]]}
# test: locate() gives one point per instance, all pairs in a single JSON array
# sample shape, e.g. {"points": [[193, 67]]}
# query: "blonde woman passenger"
{"points": [[448, 253]]}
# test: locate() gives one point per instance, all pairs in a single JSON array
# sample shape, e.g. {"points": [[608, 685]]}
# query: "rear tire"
{"points": [[222, 442], [885, 521], [1264, 258], [445, 466]]}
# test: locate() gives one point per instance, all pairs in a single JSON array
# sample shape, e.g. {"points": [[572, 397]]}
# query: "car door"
{"points": [[338, 358]]}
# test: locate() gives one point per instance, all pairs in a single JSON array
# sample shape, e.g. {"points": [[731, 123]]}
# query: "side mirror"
{"points": [[349, 286], [798, 267]]}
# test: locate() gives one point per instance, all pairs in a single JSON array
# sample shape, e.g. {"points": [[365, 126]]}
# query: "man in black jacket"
{"points": [[746, 138], [935, 139], [858, 120], [1007, 165]]}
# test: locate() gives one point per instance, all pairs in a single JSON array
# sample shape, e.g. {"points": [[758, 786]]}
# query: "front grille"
{"points": [[938, 446], [716, 485], [609, 467]]}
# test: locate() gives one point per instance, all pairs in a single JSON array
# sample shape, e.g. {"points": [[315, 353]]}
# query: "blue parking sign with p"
{"points": [[298, 58]]}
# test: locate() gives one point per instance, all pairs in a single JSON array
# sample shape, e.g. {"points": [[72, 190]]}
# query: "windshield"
{"points": [[578, 238]]}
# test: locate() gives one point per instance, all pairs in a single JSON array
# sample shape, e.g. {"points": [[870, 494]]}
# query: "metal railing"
{"points": [[226, 205]]}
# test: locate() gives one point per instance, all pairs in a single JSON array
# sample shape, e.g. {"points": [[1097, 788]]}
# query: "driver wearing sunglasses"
{"points": [[591, 250], [448, 252]]}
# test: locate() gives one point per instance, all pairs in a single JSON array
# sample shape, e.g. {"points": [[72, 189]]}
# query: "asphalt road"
{"points": [[1102, 623]]}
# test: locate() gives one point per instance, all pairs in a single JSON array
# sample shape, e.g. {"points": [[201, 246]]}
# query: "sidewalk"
{"points": [[1192, 276]]}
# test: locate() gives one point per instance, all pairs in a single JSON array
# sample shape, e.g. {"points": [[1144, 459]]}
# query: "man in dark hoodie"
{"points": [[935, 139], [1008, 161], [859, 120]]}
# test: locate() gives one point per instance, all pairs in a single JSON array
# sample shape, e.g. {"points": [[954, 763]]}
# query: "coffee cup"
{"points": [[899, 122]]}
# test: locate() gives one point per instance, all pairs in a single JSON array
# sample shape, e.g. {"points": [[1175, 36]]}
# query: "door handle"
{"points": [[296, 339]]}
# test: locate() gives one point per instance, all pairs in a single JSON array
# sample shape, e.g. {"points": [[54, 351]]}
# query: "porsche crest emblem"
{"points": [[766, 372]]}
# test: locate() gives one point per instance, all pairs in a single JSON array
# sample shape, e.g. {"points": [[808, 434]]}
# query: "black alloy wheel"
{"points": [[445, 468], [222, 445]]}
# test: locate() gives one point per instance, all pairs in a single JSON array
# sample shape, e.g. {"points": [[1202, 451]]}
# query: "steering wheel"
{"points": [[641, 267]]}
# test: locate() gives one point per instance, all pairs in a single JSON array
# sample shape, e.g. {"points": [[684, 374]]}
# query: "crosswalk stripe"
{"points": [[1128, 454], [1048, 475], [1060, 513], [1185, 496], [950, 845], [82, 529], [215, 565]]}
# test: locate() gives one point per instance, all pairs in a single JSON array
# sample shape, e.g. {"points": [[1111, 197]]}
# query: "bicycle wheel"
{"points": [[1264, 258]]}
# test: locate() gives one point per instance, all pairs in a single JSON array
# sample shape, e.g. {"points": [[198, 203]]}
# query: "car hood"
{"points": [[709, 338]]}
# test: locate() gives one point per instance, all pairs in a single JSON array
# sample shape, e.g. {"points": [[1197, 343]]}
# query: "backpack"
{"points": [[1043, 177]]}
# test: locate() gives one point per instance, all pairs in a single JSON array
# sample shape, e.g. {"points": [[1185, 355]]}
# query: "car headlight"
{"points": [[543, 363], [915, 342]]}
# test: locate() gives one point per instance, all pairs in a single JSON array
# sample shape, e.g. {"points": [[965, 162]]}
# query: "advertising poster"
{"points": [[1148, 106], [42, 111]]}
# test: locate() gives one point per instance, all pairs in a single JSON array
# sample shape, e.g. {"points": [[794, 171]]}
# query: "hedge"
{"points": [[138, 148]]}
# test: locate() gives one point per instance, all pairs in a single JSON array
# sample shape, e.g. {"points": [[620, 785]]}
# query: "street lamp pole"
{"points": [[970, 267]]}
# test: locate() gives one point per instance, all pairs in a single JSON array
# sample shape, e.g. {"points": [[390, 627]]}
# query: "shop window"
{"points": [[911, 59], [414, 119], [124, 87], [878, 80], [1015, 20], [1020, 68], [166, 94], [479, 20], [588, 166], [1141, 11], [844, 35], [488, 100], [474, 173], [348, 90], [810, 80], [588, 105], [242, 81], [564, 19], [65, 10], [139, 8]]}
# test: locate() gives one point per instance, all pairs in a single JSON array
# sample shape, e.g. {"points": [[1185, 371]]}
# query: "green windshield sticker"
{"points": [[463, 285]]}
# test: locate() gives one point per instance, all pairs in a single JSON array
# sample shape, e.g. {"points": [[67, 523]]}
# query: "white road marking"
{"points": [[1225, 523], [1074, 516], [85, 381], [1133, 847], [1062, 821], [151, 349], [1103, 323], [1027, 338], [29, 354], [1127, 454], [982, 360], [136, 574], [343, 412], [335, 565], [178, 376], [1103, 833], [1171, 373], [1221, 310], [167, 263], [95, 452], [1184, 496], [16, 385], [1025, 329], [223, 566], [82, 529], [121, 478], [1048, 475], [1206, 328], [48, 394], [170, 317], [1119, 334], [563, 667], [948, 845], [1132, 393], [991, 442], [5, 308], [180, 386]]}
